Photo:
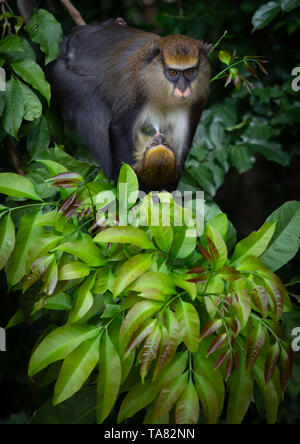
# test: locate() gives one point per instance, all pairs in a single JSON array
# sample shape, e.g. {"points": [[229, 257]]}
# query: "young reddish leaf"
{"points": [[169, 343], [208, 398], [50, 279], [211, 327], [213, 250], [205, 254], [223, 358], [64, 184], [67, 203], [229, 366], [228, 80], [286, 367], [187, 408], [262, 68], [276, 294], [255, 344], [261, 299], [138, 337], [169, 394], [197, 270], [250, 68], [229, 274], [139, 313], [149, 351], [75, 177], [217, 344], [271, 361], [38, 269]]}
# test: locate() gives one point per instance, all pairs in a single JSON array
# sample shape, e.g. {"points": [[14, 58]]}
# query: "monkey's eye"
{"points": [[190, 72], [173, 72]]}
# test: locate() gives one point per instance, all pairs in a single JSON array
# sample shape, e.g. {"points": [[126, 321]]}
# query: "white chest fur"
{"points": [[173, 124]]}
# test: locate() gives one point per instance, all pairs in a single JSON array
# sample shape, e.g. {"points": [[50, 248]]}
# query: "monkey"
{"points": [[133, 96]]}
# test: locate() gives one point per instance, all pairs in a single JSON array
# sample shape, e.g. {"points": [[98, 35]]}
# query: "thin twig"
{"points": [[74, 13]]}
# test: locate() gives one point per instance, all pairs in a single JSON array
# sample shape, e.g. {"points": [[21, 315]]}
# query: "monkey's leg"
{"points": [[157, 168]]}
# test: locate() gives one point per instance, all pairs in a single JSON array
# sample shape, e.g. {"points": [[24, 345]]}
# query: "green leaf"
{"points": [[240, 394], [136, 399], [205, 367], [169, 394], [54, 168], [220, 245], [265, 14], [125, 235], [61, 301], [289, 5], [130, 271], [182, 246], [128, 190], [256, 342], [84, 300], [242, 158], [42, 246], [74, 270], [14, 108], [187, 408], [76, 369], [7, 239], [189, 324], [85, 250], [135, 317], [225, 57], [45, 30], [189, 287], [32, 73], [285, 242], [271, 391], [272, 151], [155, 280], [32, 105], [109, 378], [39, 139], [255, 244], [26, 236], [208, 398], [14, 185], [59, 344]]}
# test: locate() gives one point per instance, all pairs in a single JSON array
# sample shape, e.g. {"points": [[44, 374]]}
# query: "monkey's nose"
{"points": [[182, 94]]}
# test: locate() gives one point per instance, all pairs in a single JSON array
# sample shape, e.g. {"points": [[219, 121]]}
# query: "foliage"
{"points": [[168, 319], [141, 322]]}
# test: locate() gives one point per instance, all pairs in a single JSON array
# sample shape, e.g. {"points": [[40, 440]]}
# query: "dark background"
{"points": [[247, 198]]}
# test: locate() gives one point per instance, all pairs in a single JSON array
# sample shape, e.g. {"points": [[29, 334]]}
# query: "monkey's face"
{"points": [[181, 71]]}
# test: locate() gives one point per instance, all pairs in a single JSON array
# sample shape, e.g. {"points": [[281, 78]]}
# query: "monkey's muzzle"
{"points": [[159, 167]]}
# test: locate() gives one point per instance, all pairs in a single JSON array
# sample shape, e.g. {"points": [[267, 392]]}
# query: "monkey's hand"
{"points": [[158, 168]]}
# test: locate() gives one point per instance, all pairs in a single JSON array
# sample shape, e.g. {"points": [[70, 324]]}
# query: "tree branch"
{"points": [[74, 13]]}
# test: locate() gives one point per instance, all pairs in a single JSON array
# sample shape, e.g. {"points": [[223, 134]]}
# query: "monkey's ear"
{"points": [[152, 54], [205, 48]]}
